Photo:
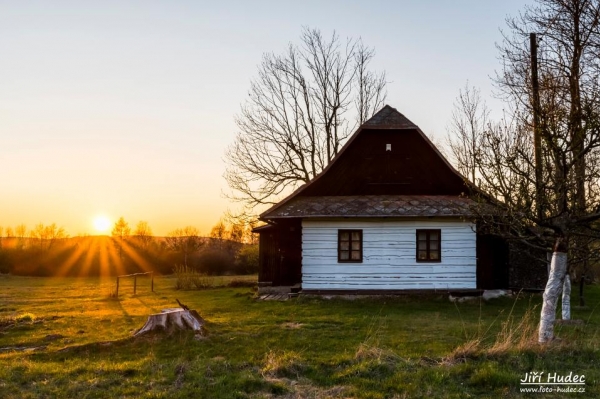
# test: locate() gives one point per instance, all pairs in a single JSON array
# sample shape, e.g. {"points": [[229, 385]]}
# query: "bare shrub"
{"points": [[188, 278]]}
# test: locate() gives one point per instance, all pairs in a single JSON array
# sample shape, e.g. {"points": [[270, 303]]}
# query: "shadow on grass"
{"points": [[151, 309]]}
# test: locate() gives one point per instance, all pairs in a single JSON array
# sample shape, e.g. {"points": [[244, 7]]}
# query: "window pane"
{"points": [[344, 246], [355, 255], [356, 245], [422, 236], [355, 236], [433, 235], [344, 236], [422, 255], [344, 255], [422, 245], [434, 255], [433, 246]]}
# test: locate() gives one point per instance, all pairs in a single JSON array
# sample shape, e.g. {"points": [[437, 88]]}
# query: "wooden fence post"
{"points": [[135, 276]]}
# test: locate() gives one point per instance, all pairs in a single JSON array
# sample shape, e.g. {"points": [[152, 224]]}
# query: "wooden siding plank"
{"points": [[389, 260], [387, 270], [406, 286], [372, 262], [317, 246]]}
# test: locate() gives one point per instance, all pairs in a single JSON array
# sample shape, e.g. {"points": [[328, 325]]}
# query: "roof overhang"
{"points": [[376, 206]]}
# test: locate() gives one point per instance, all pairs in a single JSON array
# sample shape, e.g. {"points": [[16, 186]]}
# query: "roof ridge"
{"points": [[389, 117]]}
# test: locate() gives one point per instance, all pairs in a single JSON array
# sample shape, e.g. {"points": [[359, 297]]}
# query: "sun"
{"points": [[101, 224]]}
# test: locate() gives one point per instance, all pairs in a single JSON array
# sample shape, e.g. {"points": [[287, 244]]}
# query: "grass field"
{"points": [[67, 338]]}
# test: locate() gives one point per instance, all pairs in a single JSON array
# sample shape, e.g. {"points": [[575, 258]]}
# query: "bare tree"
{"points": [[37, 235], [143, 233], [185, 241], [9, 232], [219, 234], [301, 108], [561, 208], [120, 232], [46, 236], [470, 119], [246, 222], [21, 235], [237, 232]]}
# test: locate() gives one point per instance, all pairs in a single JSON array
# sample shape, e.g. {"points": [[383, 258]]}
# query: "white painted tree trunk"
{"points": [[566, 298], [558, 269], [168, 319]]}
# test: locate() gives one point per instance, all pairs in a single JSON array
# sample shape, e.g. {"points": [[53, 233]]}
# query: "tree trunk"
{"points": [[558, 270], [566, 298], [170, 319]]}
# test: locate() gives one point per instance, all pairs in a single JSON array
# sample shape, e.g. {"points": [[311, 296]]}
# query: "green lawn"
{"points": [[303, 348]]}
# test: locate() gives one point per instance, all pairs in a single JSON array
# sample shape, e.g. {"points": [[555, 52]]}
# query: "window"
{"points": [[429, 245], [350, 245]]}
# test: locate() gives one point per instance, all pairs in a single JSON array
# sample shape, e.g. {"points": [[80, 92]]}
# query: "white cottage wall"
{"points": [[389, 256]]}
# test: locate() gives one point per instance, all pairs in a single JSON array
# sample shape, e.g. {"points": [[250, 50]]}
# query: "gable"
{"points": [[366, 167], [387, 155]]}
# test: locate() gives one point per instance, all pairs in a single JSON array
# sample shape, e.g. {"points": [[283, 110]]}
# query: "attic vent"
{"points": [[388, 147]]}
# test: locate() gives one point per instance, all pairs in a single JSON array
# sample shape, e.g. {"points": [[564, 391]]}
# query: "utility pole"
{"points": [[537, 137]]}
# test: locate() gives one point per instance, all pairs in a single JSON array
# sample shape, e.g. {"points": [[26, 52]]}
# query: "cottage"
{"points": [[388, 214]]}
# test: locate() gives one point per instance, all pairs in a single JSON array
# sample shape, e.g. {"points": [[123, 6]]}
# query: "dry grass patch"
{"points": [[469, 349], [516, 334], [282, 364], [367, 352], [291, 325], [306, 390], [20, 319]]}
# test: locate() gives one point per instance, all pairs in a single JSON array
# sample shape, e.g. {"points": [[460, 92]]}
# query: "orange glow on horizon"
{"points": [[97, 255]]}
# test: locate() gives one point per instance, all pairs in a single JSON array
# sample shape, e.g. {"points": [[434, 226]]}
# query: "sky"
{"points": [[125, 108]]}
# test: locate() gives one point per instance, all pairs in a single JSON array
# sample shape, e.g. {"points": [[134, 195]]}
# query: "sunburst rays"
{"points": [[65, 266], [134, 255], [97, 256]]}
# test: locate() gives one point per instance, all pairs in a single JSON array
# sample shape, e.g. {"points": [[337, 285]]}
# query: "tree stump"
{"points": [[173, 319]]}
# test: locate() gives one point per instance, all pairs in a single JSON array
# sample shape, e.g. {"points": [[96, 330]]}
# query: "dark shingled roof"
{"points": [[389, 118], [375, 206]]}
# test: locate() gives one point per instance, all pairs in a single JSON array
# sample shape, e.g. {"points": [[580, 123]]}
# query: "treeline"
{"points": [[230, 248]]}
